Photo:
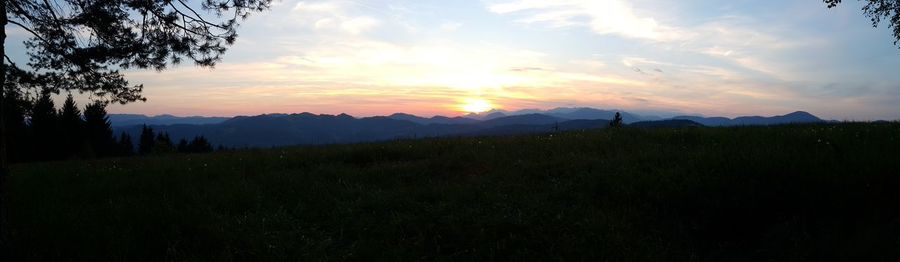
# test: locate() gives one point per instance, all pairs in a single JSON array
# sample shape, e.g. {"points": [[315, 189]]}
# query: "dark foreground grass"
{"points": [[817, 192]]}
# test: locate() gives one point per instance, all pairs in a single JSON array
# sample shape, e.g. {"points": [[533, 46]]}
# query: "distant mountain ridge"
{"points": [[311, 129], [134, 119], [432, 120], [568, 113], [798, 117]]}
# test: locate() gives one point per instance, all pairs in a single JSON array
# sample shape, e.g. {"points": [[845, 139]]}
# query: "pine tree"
{"points": [[148, 139], [99, 130], [16, 128], [71, 128], [617, 121], [44, 124], [85, 45], [183, 146], [126, 146], [200, 145], [163, 144]]}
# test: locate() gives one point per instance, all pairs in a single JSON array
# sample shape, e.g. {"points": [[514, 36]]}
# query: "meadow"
{"points": [[828, 192]]}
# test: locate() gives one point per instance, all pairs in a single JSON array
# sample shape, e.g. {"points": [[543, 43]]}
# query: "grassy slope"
{"points": [[752, 193]]}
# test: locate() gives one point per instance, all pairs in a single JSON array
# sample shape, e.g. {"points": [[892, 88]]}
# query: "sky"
{"points": [[430, 57]]}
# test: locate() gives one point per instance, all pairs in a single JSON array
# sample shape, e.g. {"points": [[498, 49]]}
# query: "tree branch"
{"points": [[162, 20], [9, 60], [36, 35], [199, 17]]}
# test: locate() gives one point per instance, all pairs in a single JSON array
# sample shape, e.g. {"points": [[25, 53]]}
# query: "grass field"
{"points": [[787, 193]]}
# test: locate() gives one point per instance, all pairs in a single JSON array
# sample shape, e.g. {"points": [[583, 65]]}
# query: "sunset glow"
{"points": [[477, 106], [598, 130], [378, 57]]}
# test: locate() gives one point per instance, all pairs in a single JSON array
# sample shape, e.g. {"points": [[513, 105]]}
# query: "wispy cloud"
{"points": [[332, 15], [616, 17]]}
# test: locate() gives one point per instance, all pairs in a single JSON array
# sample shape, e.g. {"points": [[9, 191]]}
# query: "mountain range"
{"points": [[795, 117], [563, 113], [132, 119], [312, 129]]}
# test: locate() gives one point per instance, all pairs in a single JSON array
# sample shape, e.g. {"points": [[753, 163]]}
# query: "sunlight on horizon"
{"points": [[692, 57], [476, 105]]}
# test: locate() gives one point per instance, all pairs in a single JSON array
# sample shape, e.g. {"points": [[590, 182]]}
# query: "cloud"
{"points": [[739, 41], [379, 56], [615, 17], [333, 15]]}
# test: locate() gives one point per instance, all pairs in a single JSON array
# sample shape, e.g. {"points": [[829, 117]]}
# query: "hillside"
{"points": [[311, 129], [121, 120], [797, 192], [320, 129], [567, 113], [798, 117]]}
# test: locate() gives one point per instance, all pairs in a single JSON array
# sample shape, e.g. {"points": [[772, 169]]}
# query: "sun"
{"points": [[476, 105]]}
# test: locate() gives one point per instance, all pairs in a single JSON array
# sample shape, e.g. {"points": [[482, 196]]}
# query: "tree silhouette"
{"points": [[125, 145], [148, 139], [82, 45], [99, 130], [200, 145], [616, 121], [183, 146], [44, 123], [15, 108], [71, 128], [878, 11], [163, 144]]}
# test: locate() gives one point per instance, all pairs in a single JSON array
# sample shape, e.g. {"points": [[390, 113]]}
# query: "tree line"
{"points": [[39, 131]]}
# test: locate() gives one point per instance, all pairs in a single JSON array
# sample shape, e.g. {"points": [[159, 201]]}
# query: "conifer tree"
{"points": [[163, 144], [83, 45], [126, 146], [16, 128], [617, 121], [183, 146], [44, 123], [99, 130], [148, 139], [200, 145], [71, 128]]}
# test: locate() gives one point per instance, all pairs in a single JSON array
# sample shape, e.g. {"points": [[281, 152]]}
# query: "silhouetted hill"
{"points": [[516, 129], [311, 129], [797, 117], [707, 121], [308, 128], [672, 123], [133, 119], [593, 114], [433, 120], [792, 118], [531, 119], [493, 115], [567, 113]]}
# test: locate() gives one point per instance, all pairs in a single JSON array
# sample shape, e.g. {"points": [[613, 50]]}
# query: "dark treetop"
{"points": [[82, 44]]}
